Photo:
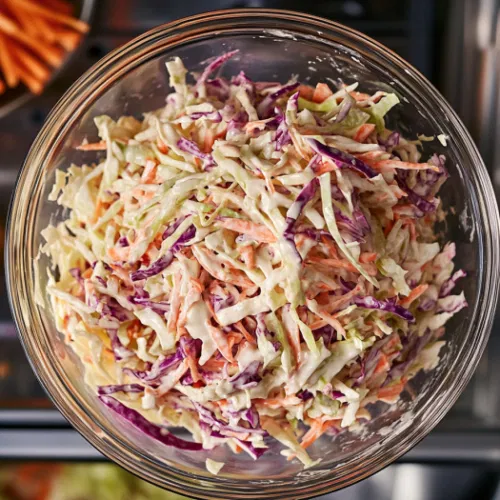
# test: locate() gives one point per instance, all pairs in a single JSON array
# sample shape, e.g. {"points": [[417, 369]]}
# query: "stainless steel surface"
{"points": [[471, 73]]}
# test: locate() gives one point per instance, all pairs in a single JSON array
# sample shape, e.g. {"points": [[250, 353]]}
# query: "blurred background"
{"points": [[456, 44]]}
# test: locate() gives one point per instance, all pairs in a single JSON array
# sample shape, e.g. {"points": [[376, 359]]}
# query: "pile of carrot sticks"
{"points": [[34, 38]]}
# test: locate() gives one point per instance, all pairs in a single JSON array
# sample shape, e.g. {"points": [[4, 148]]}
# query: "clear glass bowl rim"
{"points": [[19, 247]]}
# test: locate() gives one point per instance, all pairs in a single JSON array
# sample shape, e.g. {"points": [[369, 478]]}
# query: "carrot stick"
{"points": [[325, 166], [60, 5], [382, 365], [316, 430], [306, 92], [279, 402], [33, 83], [321, 92], [256, 231], [7, 64], [366, 257], [363, 132], [92, 146], [221, 342], [66, 38], [414, 294], [28, 27], [29, 62], [404, 165], [49, 14], [48, 53], [390, 393], [359, 96], [248, 256], [239, 326], [44, 30]]}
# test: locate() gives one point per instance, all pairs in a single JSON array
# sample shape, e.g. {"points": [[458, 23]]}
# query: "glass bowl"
{"points": [[273, 45]]}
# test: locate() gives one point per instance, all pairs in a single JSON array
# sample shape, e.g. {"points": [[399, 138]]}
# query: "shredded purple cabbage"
{"points": [[449, 284], [342, 158], [415, 347], [123, 241], [305, 395], [295, 210], [159, 369], [215, 64], [160, 307], [218, 88], [265, 107], [163, 262], [192, 148], [223, 428], [248, 378], [77, 274], [327, 333], [421, 203], [155, 431], [119, 350], [190, 347], [111, 389], [219, 303], [213, 116], [344, 109], [370, 302], [391, 141]]}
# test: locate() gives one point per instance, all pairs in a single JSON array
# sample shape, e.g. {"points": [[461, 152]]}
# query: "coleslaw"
{"points": [[253, 261]]}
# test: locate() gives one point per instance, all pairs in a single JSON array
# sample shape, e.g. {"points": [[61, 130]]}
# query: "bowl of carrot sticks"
{"points": [[37, 39]]}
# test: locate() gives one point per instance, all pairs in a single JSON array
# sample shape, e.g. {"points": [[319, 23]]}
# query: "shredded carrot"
{"points": [[233, 338], [363, 132], [162, 147], [366, 257], [248, 256], [193, 368], [52, 15], [382, 365], [149, 174], [214, 365], [334, 323], [388, 228], [335, 263], [221, 342], [321, 92], [325, 166], [92, 146], [318, 324], [256, 231], [317, 429], [87, 273], [175, 305], [414, 294], [248, 336], [359, 96], [393, 343], [330, 245], [405, 165], [277, 403], [119, 254], [293, 336], [306, 92], [390, 393]]}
